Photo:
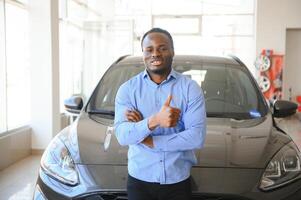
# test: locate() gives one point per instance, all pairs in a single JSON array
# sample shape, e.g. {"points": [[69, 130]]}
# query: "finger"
{"points": [[131, 118], [137, 114], [175, 113], [175, 117], [175, 110], [174, 124], [168, 100], [127, 112], [133, 115]]}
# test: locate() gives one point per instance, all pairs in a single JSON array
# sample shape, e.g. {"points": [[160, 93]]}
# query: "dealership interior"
{"points": [[51, 50]]}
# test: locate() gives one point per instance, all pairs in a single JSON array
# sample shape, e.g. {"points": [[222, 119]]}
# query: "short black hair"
{"points": [[158, 30]]}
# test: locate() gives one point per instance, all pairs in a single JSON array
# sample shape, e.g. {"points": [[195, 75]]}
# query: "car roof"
{"points": [[189, 59]]}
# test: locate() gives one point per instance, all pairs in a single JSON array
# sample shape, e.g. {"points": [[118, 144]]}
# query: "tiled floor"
{"points": [[17, 181]]}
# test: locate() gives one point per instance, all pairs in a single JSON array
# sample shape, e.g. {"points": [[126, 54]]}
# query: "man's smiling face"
{"points": [[157, 53]]}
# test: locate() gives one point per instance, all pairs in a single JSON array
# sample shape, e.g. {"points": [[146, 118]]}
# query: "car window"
{"points": [[229, 91], [104, 95]]}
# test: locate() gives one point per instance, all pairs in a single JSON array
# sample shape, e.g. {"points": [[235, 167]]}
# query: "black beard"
{"points": [[161, 72]]}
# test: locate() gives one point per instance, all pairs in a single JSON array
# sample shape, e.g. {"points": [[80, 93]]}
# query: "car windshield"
{"points": [[229, 91]]}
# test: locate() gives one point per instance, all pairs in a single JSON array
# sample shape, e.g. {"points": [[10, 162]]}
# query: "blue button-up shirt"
{"points": [[172, 156]]}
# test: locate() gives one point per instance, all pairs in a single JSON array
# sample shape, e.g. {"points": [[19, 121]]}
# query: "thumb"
{"points": [[168, 100]]}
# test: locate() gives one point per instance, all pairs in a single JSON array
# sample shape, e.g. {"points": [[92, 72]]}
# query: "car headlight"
{"points": [[57, 163], [282, 169]]}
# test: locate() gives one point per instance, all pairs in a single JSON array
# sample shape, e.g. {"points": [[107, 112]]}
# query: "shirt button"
{"points": [[161, 161]]}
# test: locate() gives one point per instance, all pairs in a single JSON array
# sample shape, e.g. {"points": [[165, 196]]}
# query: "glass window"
{"points": [[229, 91], [177, 7], [196, 75], [18, 88], [89, 44], [107, 30], [188, 25], [2, 71], [23, 1], [228, 25], [71, 60], [228, 7], [104, 97]]}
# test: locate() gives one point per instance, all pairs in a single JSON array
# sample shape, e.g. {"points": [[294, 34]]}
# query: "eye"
{"points": [[147, 51], [163, 48]]}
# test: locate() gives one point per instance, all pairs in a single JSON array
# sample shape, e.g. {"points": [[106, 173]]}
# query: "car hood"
{"points": [[229, 143]]}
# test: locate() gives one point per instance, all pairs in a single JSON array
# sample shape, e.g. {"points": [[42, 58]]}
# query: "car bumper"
{"points": [[48, 188]]}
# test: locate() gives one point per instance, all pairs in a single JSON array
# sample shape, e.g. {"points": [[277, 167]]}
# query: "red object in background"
{"points": [[298, 98], [267, 52], [274, 74]]}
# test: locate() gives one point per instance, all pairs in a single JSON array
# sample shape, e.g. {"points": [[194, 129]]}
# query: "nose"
{"points": [[156, 53]]}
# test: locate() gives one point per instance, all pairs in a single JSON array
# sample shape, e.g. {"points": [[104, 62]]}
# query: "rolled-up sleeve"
{"points": [[194, 118], [128, 133]]}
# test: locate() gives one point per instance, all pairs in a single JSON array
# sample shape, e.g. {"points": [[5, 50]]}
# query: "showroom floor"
{"points": [[17, 181]]}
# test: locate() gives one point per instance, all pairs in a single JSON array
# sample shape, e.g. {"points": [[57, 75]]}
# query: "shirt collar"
{"points": [[172, 74]]}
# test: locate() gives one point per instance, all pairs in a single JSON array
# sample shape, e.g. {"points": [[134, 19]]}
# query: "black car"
{"points": [[246, 156]]}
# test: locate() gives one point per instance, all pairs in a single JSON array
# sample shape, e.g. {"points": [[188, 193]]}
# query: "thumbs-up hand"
{"points": [[168, 100], [168, 116]]}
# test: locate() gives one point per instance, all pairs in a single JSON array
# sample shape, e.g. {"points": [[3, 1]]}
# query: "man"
{"points": [[161, 115]]}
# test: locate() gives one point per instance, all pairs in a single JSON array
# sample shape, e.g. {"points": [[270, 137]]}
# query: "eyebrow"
{"points": [[161, 45]]}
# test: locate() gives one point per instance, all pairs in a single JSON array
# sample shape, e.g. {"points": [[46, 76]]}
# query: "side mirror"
{"points": [[282, 108], [74, 104]]}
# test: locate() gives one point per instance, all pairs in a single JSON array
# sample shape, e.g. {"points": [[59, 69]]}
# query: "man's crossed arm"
{"points": [[131, 131], [167, 117]]}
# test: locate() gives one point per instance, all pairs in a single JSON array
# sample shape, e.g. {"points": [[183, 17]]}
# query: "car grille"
{"points": [[215, 197], [115, 196], [123, 196]]}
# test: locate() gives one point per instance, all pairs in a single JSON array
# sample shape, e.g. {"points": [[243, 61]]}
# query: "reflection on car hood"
{"points": [[229, 143], [242, 144]]}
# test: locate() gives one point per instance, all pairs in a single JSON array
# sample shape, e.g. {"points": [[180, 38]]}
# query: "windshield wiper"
{"points": [[220, 115], [234, 116], [102, 112]]}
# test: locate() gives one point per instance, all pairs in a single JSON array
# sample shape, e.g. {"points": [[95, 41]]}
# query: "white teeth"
{"points": [[156, 62]]}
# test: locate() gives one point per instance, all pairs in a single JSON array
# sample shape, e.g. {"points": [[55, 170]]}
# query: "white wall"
{"points": [[292, 73], [273, 18], [14, 146], [44, 50], [3, 111]]}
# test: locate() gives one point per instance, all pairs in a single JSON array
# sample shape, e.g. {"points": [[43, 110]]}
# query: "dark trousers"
{"points": [[141, 190]]}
